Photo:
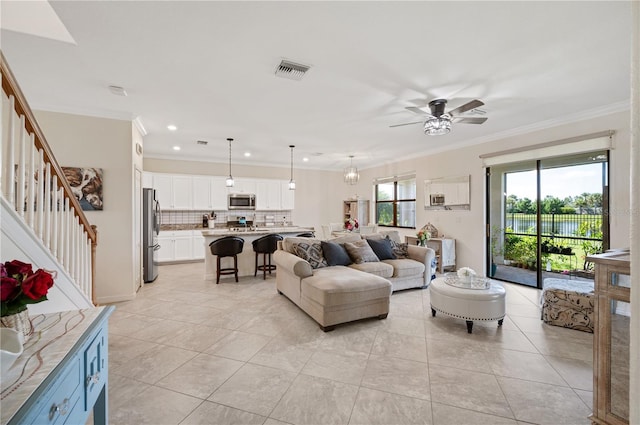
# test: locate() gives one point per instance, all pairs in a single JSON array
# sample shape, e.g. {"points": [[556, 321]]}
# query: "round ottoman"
{"points": [[468, 304]]}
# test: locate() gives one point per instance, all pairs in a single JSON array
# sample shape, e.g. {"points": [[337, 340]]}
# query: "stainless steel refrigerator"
{"points": [[150, 230]]}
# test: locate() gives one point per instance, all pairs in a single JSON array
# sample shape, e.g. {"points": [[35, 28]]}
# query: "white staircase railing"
{"points": [[34, 185]]}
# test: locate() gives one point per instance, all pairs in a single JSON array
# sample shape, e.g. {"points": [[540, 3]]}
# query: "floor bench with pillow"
{"points": [[568, 303], [343, 279]]}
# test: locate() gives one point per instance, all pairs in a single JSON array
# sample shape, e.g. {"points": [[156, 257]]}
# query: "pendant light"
{"points": [[230, 178], [351, 175], [292, 183]]}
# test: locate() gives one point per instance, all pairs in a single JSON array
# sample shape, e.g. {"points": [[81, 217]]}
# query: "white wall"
{"points": [[82, 141]]}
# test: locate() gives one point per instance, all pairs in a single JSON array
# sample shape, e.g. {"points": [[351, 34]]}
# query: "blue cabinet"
{"points": [[62, 374]]}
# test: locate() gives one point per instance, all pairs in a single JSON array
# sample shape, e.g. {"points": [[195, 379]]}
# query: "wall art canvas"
{"points": [[86, 185]]}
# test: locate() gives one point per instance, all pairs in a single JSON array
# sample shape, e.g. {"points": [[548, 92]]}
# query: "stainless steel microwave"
{"points": [[437, 199], [241, 201]]}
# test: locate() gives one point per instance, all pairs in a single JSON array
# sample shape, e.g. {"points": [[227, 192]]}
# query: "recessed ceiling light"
{"points": [[305, 159], [176, 148], [247, 154], [172, 127]]}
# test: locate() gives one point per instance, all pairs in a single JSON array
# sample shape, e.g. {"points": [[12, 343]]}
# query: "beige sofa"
{"points": [[338, 294]]}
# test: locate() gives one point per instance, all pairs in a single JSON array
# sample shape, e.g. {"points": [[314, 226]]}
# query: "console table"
{"points": [[62, 374], [611, 338], [445, 249]]}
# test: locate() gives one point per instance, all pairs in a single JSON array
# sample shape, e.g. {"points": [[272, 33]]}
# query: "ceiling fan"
{"points": [[438, 122]]}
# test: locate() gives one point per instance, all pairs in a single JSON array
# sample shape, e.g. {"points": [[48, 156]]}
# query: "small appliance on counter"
{"points": [[205, 220]]}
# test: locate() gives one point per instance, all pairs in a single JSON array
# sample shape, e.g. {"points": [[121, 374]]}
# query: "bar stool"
{"points": [[265, 245], [228, 246]]}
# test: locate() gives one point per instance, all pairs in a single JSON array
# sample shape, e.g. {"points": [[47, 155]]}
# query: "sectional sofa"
{"points": [[334, 289]]}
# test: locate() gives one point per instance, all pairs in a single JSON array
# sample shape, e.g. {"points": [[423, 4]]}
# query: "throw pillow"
{"points": [[360, 252], [401, 250], [335, 254], [311, 252], [382, 248]]}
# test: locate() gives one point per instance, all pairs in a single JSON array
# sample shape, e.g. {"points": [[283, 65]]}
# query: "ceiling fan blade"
{"points": [[407, 123], [416, 110], [466, 107], [470, 120]]}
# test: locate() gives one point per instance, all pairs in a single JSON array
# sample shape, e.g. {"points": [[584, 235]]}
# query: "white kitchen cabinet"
{"points": [[268, 196], [147, 179], [183, 246], [162, 185], [198, 245], [175, 246], [218, 194], [173, 192], [182, 192], [287, 201], [201, 192], [242, 185], [165, 253]]}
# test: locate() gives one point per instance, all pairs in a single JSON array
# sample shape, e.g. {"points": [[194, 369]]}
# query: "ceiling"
{"points": [[208, 68]]}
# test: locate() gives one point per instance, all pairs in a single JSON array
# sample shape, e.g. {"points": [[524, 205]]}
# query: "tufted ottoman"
{"points": [[568, 303], [468, 304]]}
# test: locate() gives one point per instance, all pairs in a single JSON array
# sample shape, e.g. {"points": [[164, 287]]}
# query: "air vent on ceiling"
{"points": [[202, 142], [118, 91], [291, 70]]}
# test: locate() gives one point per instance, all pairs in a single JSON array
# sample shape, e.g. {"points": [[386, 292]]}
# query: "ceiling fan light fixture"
{"points": [[351, 175], [437, 126]]}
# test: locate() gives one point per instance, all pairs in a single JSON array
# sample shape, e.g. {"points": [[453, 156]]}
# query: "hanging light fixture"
{"points": [[230, 178], [292, 183], [351, 175]]}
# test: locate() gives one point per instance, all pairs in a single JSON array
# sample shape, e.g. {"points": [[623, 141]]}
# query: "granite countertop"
{"points": [[191, 226], [258, 231]]}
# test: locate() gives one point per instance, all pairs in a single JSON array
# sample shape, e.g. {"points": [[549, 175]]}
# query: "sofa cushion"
{"points": [[311, 252], [393, 235], [400, 250], [335, 254], [377, 268], [382, 248], [405, 267], [360, 252], [341, 285], [288, 243]]}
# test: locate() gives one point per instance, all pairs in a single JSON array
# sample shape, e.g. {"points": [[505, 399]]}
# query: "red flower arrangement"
{"points": [[20, 286], [351, 224]]}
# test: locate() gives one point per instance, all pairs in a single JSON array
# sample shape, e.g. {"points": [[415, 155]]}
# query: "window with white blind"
{"points": [[396, 201]]}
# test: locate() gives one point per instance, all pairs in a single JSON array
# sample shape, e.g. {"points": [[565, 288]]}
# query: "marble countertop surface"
{"points": [[257, 232], [54, 336]]}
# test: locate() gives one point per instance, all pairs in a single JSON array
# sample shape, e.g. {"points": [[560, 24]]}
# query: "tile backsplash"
{"points": [[259, 218]]}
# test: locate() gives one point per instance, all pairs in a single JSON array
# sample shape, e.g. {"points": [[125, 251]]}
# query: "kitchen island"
{"points": [[246, 259]]}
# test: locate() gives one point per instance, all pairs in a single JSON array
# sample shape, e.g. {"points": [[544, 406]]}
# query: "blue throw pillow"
{"points": [[335, 254], [382, 248]]}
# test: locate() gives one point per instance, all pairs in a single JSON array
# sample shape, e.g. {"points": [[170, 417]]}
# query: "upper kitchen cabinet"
{"points": [[209, 193], [242, 185], [268, 195], [447, 192], [147, 179], [173, 192], [287, 196], [218, 192], [201, 192]]}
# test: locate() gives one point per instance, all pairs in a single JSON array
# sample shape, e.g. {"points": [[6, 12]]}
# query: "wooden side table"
{"points": [[445, 249]]}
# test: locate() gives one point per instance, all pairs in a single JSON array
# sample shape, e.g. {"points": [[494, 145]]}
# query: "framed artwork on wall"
{"points": [[86, 185]]}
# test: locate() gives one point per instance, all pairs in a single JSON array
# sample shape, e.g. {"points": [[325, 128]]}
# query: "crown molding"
{"points": [[96, 113]]}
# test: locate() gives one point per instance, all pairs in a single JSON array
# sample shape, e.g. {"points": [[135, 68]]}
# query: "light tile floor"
{"points": [[188, 351]]}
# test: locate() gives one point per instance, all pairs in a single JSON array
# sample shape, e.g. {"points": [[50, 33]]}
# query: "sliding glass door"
{"points": [[545, 217]]}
